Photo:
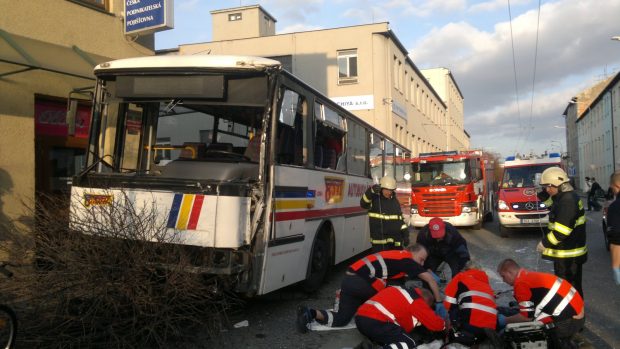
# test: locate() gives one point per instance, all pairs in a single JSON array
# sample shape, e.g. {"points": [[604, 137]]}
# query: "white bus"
{"points": [[256, 170]]}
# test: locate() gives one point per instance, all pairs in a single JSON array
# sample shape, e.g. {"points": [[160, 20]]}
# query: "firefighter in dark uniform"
{"points": [[444, 244], [565, 243], [391, 315], [613, 226], [470, 302], [387, 227], [365, 278], [546, 298]]}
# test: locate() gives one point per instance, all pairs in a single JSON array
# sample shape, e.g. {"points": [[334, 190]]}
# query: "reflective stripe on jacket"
{"points": [[567, 229], [405, 308], [546, 297], [386, 265], [470, 298], [385, 217]]}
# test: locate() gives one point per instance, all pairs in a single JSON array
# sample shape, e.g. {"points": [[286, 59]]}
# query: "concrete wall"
{"points": [[58, 22], [254, 22], [384, 71]]}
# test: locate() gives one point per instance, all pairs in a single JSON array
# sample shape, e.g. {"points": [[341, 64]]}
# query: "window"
{"points": [[234, 17], [329, 138], [356, 148], [376, 157], [290, 129], [347, 66]]}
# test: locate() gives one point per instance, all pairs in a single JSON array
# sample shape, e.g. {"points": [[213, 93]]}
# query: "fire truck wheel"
{"points": [[319, 265], [503, 231], [479, 219], [488, 217]]}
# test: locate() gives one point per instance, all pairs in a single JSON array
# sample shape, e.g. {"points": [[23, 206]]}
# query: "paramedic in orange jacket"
{"points": [[470, 302], [544, 297], [391, 315], [365, 278]]}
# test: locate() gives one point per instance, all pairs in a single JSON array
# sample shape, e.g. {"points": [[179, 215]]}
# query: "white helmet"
{"points": [[388, 182], [554, 176]]}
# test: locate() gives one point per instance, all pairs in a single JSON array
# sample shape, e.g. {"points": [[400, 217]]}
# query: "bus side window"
{"points": [[290, 132]]}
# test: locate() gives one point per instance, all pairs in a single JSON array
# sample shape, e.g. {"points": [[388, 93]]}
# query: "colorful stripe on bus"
{"points": [[185, 211]]}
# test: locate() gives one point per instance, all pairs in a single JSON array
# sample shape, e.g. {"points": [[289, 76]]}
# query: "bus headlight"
{"points": [[414, 209], [501, 204]]}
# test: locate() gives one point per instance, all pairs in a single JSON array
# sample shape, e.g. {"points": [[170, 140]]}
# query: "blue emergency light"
{"points": [[554, 155], [510, 158]]}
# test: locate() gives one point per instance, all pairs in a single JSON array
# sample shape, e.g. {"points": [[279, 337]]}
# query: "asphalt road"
{"points": [[270, 319]]}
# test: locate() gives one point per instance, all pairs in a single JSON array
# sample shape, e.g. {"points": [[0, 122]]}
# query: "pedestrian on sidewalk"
{"points": [[595, 190], [366, 277], [390, 317], [613, 226]]}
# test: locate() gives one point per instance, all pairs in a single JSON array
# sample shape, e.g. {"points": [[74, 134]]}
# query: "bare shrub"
{"points": [[111, 276]]}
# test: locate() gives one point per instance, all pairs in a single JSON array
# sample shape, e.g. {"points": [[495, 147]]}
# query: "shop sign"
{"points": [[355, 102], [51, 119], [148, 16]]}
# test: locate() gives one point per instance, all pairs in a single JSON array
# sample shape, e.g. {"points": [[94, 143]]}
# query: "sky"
{"points": [[516, 62]]}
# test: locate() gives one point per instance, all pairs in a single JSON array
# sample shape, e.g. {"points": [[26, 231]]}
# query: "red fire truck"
{"points": [[455, 186], [517, 203]]}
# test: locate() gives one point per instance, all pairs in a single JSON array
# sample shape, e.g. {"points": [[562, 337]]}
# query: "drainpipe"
{"points": [[613, 136]]}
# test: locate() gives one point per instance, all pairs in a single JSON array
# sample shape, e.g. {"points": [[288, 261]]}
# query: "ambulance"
{"points": [[517, 203]]}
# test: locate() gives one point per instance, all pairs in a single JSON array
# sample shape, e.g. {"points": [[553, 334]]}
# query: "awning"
{"points": [[23, 54]]}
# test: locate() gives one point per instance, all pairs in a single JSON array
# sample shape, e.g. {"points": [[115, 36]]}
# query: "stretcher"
{"points": [[526, 335]]}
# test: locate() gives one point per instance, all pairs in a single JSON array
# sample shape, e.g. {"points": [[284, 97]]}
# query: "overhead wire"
{"points": [[514, 69], [534, 74]]}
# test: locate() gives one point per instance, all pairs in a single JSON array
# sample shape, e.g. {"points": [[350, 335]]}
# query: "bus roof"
{"points": [[193, 61]]}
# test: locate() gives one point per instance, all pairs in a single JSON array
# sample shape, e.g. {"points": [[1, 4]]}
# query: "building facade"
{"points": [[597, 112], [48, 49], [364, 68]]}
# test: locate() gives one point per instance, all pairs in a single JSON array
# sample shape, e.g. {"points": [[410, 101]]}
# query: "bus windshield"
{"points": [[151, 129], [440, 173], [523, 176]]}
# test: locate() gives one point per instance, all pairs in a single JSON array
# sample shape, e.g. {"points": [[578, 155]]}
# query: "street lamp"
{"points": [[617, 38]]}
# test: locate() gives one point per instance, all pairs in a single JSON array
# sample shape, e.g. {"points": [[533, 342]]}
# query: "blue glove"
{"points": [[617, 275], [501, 322], [440, 310]]}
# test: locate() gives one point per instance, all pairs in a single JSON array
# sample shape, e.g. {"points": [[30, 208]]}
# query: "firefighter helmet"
{"points": [[554, 176], [388, 182]]}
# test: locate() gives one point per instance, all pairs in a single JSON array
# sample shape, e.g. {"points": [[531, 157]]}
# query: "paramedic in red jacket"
{"points": [[470, 302], [365, 278], [544, 297], [390, 316]]}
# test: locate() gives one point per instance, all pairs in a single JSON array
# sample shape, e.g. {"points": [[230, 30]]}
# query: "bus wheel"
{"points": [[319, 264]]}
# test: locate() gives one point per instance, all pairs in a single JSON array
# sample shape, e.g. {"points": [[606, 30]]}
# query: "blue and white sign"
{"points": [[399, 110], [355, 102], [147, 16]]}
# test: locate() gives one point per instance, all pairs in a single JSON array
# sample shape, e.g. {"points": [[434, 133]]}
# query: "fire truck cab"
{"points": [[517, 203], [454, 186]]}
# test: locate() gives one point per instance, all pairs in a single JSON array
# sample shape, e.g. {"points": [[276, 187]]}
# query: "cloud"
{"points": [[494, 5], [296, 28], [188, 5], [294, 11], [367, 14], [572, 47], [425, 8]]}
